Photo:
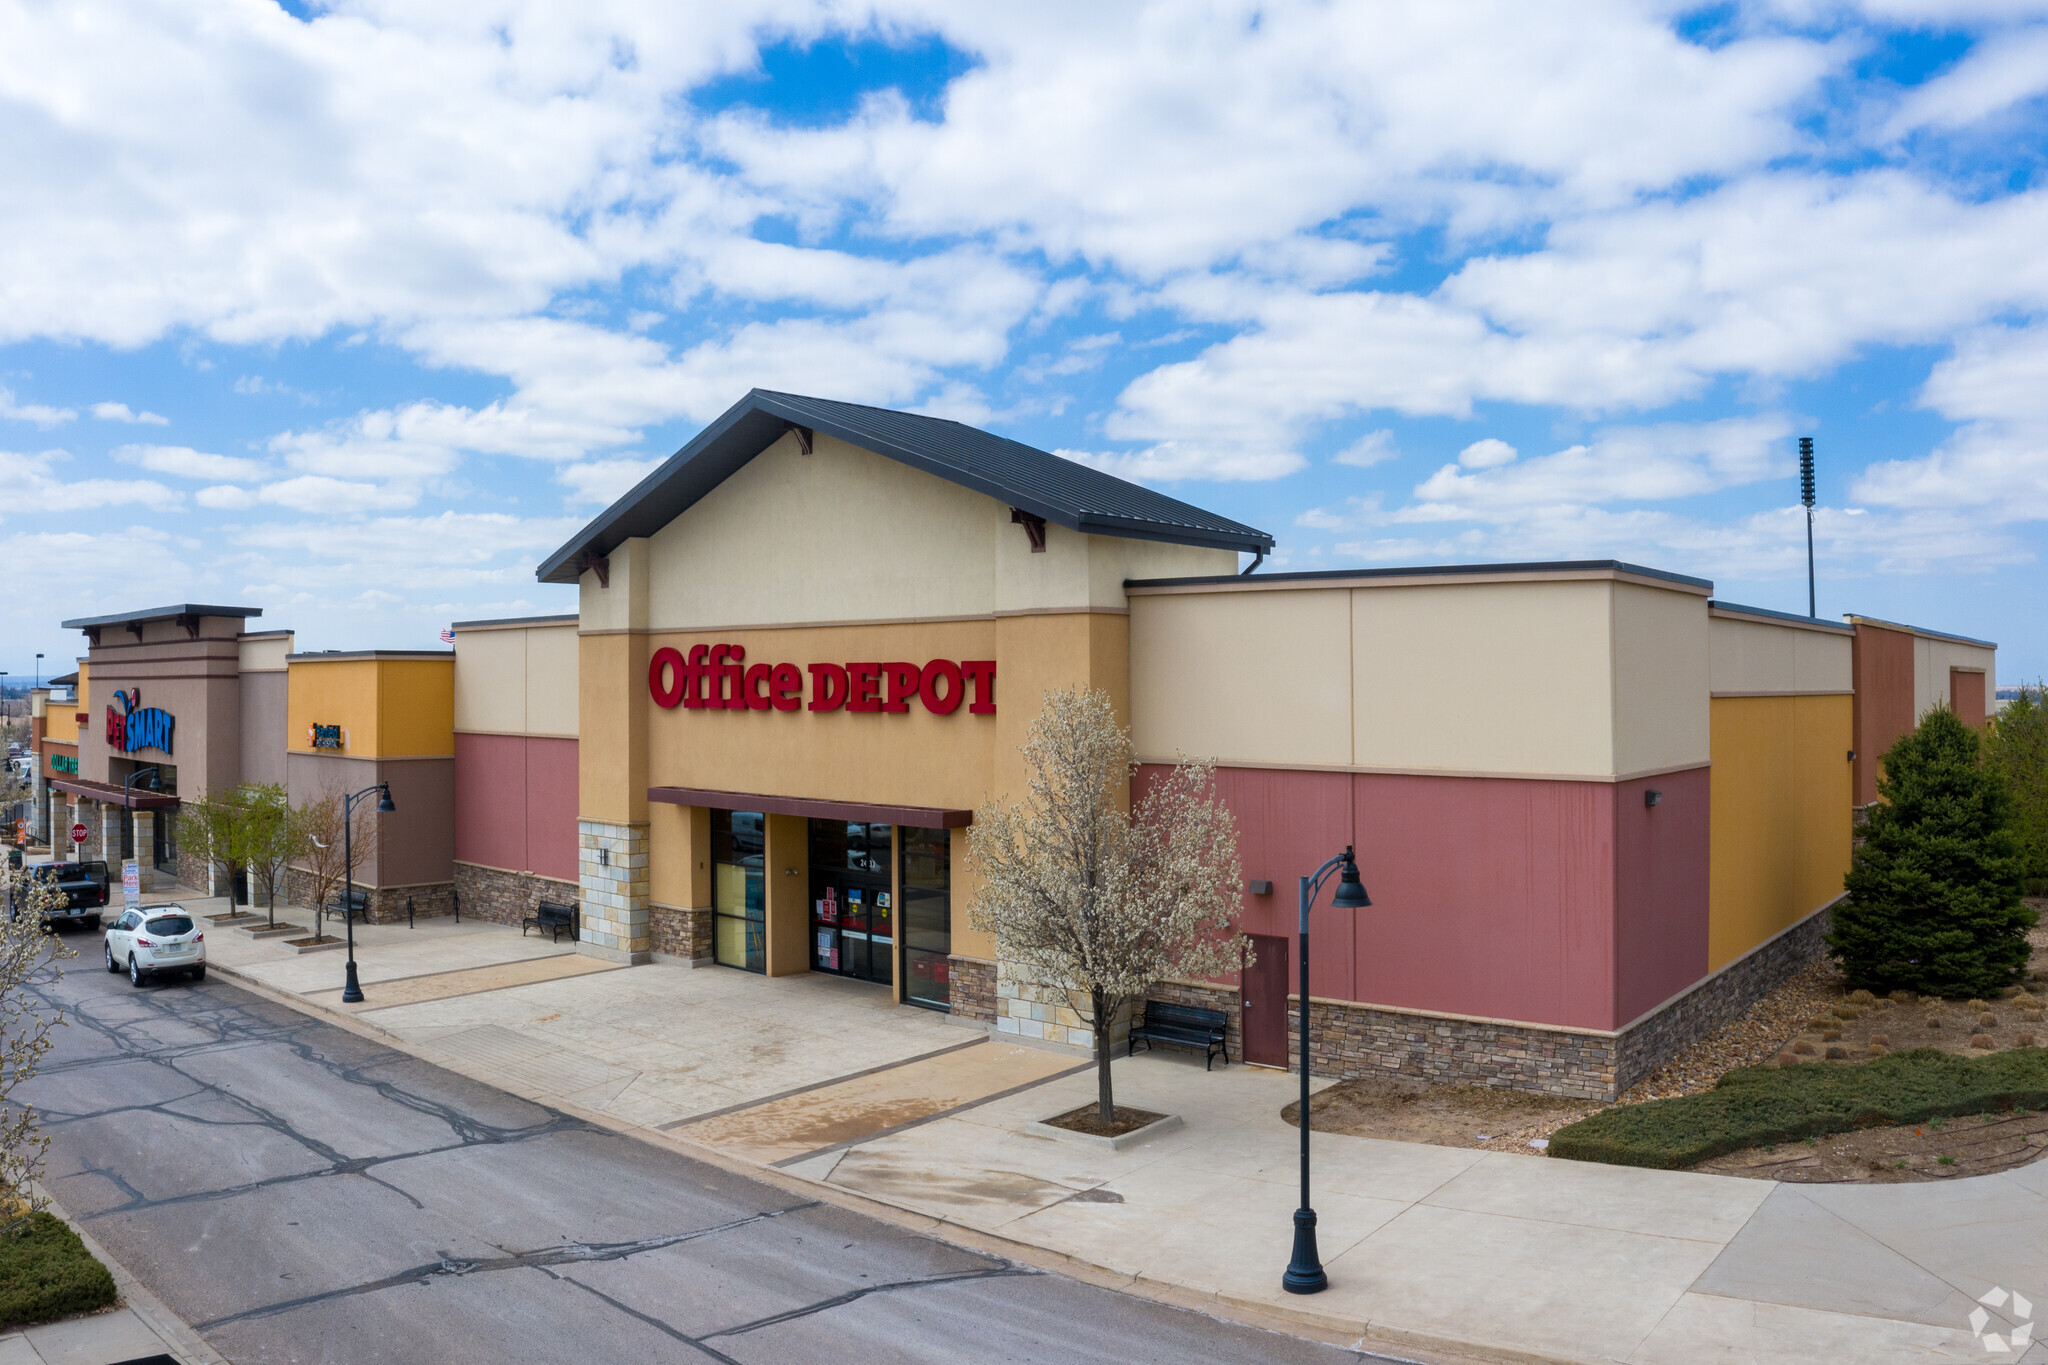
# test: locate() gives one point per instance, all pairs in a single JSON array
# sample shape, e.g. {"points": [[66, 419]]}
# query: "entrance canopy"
{"points": [[917, 817], [111, 793]]}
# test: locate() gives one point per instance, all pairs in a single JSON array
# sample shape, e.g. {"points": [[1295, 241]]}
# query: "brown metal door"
{"points": [[1264, 994]]}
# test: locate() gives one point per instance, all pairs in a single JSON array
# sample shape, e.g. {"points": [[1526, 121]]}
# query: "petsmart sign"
{"points": [[135, 726]]}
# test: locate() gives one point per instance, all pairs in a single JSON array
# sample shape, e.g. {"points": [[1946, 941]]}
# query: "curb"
{"points": [[1331, 1329], [136, 1297]]}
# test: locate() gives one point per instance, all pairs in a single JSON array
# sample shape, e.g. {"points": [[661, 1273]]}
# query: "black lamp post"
{"points": [[352, 989], [1305, 1271]]}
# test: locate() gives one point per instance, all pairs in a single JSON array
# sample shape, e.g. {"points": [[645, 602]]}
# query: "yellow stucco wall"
{"points": [[390, 708], [61, 722], [1780, 815]]}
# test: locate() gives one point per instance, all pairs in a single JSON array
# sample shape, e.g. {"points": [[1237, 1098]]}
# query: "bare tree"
{"points": [[328, 858], [27, 949], [217, 822], [273, 835], [1096, 902]]}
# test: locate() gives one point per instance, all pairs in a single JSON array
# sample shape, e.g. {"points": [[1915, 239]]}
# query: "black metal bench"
{"points": [[1183, 1026], [356, 906], [552, 915]]}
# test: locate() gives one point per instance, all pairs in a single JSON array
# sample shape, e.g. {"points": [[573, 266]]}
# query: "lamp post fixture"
{"points": [[1305, 1271], [352, 989], [155, 783]]}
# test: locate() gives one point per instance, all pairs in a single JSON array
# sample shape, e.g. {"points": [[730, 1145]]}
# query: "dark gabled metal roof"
{"points": [[1032, 480]]}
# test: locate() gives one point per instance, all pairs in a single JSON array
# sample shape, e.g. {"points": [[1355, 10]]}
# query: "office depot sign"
{"points": [[719, 678]]}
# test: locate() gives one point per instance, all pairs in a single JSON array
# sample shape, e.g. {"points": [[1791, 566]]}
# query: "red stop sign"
{"points": [[78, 834]]}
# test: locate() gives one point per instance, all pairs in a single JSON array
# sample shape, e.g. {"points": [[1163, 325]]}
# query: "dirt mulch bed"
{"points": [[1937, 1150], [1446, 1115], [1802, 1011], [1084, 1120]]}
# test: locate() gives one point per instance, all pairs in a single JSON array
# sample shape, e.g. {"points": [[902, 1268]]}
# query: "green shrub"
{"points": [[1934, 889], [1758, 1105], [2016, 749], [46, 1273]]}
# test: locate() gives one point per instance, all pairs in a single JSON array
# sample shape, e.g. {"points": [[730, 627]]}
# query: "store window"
{"points": [[852, 912], [739, 848], [927, 917]]}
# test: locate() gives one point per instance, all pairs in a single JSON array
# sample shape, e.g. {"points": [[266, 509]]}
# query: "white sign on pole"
{"points": [[131, 885]]}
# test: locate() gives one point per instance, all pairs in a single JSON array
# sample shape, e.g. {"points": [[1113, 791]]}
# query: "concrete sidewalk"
{"points": [[1428, 1248]]}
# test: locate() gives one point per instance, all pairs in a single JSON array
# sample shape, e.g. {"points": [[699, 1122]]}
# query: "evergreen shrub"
{"points": [[1934, 889]]}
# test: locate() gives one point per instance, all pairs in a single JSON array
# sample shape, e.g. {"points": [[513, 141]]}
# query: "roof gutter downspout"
{"points": [[1258, 558]]}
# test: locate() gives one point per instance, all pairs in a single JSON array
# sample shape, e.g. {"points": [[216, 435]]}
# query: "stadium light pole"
{"points": [[1806, 497]]}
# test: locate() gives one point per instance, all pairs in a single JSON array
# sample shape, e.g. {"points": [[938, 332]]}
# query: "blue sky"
{"points": [[353, 312]]}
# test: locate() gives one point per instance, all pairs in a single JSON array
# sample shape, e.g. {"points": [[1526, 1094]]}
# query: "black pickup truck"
{"points": [[85, 889]]}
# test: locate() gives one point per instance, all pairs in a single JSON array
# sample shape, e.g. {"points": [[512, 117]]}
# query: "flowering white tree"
{"points": [[1097, 902], [27, 949]]}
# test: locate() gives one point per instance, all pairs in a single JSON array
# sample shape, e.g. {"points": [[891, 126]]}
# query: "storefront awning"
{"points": [[917, 817], [112, 795]]}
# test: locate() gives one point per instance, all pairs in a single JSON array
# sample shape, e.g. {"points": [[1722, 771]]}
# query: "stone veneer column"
{"points": [[109, 819], [145, 848], [39, 808], [612, 869], [60, 823]]}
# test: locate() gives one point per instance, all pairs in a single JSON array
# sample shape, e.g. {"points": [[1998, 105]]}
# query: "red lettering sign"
{"points": [[717, 677]]}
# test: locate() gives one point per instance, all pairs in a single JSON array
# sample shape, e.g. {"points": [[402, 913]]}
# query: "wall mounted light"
{"points": [[1651, 798], [1259, 888], [1852, 755]]}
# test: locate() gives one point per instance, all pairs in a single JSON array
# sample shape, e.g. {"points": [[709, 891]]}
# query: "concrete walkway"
{"points": [[1428, 1248]]}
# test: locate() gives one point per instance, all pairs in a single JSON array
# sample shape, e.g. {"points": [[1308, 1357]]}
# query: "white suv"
{"points": [[162, 938]]}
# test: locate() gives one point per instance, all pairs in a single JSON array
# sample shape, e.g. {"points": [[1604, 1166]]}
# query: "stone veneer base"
{"points": [[972, 990], [1349, 1040], [496, 896]]}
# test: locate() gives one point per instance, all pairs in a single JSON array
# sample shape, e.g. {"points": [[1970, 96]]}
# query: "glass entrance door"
{"points": [[853, 918]]}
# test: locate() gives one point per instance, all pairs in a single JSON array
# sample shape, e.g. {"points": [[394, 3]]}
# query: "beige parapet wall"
{"points": [[516, 677], [1588, 674], [1757, 655]]}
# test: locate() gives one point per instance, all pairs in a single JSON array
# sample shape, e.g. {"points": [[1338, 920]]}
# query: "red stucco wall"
{"points": [[1546, 902], [515, 803]]}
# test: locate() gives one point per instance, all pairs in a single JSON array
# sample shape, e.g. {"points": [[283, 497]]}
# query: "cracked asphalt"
{"points": [[301, 1194]]}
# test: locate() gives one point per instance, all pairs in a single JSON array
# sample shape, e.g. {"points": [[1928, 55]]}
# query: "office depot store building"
{"points": [[1598, 812]]}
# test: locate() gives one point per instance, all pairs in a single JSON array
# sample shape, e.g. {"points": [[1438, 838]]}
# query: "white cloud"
{"points": [[225, 497], [604, 481], [188, 463], [1375, 447], [2001, 70], [1621, 464], [1490, 453], [334, 497], [1996, 462], [119, 412], [40, 414], [33, 485]]}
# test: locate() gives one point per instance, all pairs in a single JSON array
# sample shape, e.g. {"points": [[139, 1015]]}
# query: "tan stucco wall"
{"points": [[265, 652], [1759, 657], [516, 680], [1660, 680], [1579, 676], [1246, 677], [1933, 658], [845, 535]]}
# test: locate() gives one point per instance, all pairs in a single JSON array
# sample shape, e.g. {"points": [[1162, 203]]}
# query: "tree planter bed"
{"points": [[1134, 1125]]}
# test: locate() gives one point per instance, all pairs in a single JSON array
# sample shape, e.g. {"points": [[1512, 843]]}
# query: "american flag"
{"points": [[448, 636]]}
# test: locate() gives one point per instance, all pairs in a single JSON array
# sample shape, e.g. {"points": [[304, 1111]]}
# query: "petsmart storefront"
{"points": [[1598, 811]]}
